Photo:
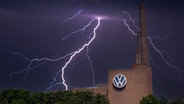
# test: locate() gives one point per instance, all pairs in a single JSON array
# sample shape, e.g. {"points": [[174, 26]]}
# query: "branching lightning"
{"points": [[131, 19], [74, 54], [128, 27], [70, 56], [70, 18], [30, 66], [157, 37], [133, 22], [91, 66], [162, 56], [79, 30]]}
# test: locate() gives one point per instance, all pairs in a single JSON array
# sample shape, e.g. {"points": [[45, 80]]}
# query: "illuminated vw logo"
{"points": [[119, 81]]}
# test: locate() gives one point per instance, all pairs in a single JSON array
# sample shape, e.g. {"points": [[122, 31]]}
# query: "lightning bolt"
{"points": [[91, 66], [32, 61], [37, 62], [131, 19], [72, 56], [162, 56], [90, 35], [79, 30], [70, 18], [157, 37], [133, 22], [128, 27]]}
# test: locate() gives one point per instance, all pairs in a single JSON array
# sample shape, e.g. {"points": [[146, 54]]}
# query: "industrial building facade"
{"points": [[128, 86]]}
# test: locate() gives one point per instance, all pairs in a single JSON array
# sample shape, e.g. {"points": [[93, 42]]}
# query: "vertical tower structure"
{"points": [[138, 51], [144, 56], [138, 78]]}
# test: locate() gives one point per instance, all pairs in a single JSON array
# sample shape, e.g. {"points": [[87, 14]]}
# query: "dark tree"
{"points": [[36, 98], [150, 99], [101, 99], [12, 95], [18, 96]]}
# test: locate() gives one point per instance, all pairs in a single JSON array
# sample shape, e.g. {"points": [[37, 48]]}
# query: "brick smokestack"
{"points": [[138, 51], [143, 38]]}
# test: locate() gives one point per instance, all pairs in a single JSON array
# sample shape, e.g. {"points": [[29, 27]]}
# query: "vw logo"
{"points": [[119, 81]]}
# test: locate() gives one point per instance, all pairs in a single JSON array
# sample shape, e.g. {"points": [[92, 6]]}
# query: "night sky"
{"points": [[35, 28]]}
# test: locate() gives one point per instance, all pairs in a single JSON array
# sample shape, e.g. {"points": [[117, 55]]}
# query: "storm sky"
{"points": [[35, 28]]}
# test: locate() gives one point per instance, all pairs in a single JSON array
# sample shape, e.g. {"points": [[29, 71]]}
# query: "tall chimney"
{"points": [[138, 51], [143, 36]]}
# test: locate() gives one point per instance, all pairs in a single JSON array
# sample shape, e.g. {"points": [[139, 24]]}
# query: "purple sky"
{"points": [[35, 28]]}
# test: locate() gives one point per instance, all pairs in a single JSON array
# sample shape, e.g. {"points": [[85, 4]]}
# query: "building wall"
{"points": [[139, 84], [99, 89]]}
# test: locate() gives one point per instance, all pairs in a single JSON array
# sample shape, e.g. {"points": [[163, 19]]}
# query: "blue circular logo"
{"points": [[119, 81]]}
